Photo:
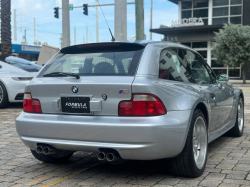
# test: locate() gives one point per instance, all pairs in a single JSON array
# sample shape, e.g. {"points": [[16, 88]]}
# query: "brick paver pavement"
{"points": [[228, 163]]}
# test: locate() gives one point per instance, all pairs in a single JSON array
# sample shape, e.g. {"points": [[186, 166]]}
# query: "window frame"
{"points": [[229, 11], [192, 10]]}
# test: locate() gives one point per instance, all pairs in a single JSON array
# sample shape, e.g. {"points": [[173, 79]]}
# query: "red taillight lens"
{"points": [[31, 105], [142, 105]]}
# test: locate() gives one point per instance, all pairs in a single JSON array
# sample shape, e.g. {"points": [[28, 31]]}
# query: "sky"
{"points": [[49, 29]]}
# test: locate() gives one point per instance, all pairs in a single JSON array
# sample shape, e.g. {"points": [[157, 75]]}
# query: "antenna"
{"points": [[113, 39]]}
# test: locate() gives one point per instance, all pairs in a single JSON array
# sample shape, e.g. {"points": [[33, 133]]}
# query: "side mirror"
{"points": [[223, 78]]}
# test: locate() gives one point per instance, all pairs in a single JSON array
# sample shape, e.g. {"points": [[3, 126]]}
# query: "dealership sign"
{"points": [[187, 22]]}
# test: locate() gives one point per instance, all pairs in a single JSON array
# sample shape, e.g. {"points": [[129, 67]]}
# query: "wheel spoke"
{"points": [[199, 142]]}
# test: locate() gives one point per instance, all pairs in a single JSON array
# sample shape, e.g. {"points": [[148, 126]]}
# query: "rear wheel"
{"points": [[238, 128], [4, 101], [50, 159], [192, 160]]}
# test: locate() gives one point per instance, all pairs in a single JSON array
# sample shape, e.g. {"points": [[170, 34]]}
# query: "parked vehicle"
{"points": [[15, 73], [129, 101]]}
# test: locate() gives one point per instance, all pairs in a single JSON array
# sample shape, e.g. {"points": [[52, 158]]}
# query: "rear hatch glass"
{"points": [[96, 60], [105, 70]]}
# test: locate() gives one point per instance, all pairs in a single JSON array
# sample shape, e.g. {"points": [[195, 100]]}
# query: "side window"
{"points": [[197, 67], [210, 71], [173, 66]]}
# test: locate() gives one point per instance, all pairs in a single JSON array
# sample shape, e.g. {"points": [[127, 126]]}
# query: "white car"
{"points": [[15, 73]]}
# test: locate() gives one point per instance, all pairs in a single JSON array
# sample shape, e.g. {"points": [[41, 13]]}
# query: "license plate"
{"points": [[75, 105]]}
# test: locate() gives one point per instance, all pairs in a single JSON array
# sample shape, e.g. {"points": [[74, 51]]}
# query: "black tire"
{"points": [[4, 102], [236, 131], [184, 164], [50, 159]]}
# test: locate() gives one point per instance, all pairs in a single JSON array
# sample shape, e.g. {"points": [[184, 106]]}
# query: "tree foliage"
{"points": [[6, 46], [232, 45]]}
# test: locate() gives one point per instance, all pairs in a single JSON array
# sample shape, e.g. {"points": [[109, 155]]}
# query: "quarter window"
{"points": [[173, 66], [199, 71]]}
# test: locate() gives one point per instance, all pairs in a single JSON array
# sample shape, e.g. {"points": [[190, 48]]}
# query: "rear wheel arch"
{"points": [[204, 110]]}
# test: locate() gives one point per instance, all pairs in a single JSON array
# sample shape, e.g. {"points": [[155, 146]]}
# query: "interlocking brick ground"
{"points": [[228, 164]]}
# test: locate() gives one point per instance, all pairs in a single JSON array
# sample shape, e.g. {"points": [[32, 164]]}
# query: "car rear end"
{"points": [[99, 110]]}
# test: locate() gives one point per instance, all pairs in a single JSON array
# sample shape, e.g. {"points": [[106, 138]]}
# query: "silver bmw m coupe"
{"points": [[129, 101]]}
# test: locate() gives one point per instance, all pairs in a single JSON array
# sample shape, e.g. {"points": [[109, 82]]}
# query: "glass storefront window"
{"points": [[220, 11], [200, 13], [235, 20], [220, 2], [187, 44], [203, 53], [220, 71], [186, 14], [235, 10], [220, 21], [186, 5], [205, 21], [200, 3], [236, 2], [234, 73], [216, 64], [199, 45]]}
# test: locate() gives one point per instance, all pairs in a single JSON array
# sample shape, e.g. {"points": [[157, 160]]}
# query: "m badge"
{"points": [[123, 91]]}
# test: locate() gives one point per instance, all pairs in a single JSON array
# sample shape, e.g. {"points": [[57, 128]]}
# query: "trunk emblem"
{"points": [[123, 91], [74, 89], [104, 96]]}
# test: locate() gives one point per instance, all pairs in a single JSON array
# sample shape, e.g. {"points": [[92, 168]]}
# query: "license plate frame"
{"points": [[75, 104]]}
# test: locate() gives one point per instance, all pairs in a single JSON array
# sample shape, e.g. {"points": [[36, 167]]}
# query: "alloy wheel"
{"points": [[1, 94], [240, 115], [200, 142]]}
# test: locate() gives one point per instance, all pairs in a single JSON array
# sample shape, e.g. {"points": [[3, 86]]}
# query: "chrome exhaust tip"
{"points": [[111, 157], [101, 156], [48, 150], [39, 149]]}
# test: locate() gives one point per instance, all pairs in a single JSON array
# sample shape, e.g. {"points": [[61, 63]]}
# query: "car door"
{"points": [[216, 96]]}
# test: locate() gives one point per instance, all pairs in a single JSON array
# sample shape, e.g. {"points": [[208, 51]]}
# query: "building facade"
{"points": [[27, 52], [197, 22]]}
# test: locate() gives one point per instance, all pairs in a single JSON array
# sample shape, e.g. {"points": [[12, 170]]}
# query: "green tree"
{"points": [[6, 46], [232, 46]]}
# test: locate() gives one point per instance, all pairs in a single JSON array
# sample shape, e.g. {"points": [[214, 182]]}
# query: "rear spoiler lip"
{"points": [[103, 46]]}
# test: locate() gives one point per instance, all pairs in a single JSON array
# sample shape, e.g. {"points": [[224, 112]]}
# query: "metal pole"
{"points": [[75, 35], [97, 27], [65, 23], [121, 20], [25, 35], [87, 34], [151, 15], [15, 38], [34, 31], [139, 19]]}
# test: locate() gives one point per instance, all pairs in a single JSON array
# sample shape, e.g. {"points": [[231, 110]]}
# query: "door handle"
{"points": [[212, 95], [232, 92]]}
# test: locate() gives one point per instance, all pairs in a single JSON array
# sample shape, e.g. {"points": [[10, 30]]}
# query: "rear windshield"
{"points": [[25, 66], [98, 63]]}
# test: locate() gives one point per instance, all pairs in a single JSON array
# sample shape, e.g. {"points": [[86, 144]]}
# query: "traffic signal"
{"points": [[56, 12], [85, 9]]}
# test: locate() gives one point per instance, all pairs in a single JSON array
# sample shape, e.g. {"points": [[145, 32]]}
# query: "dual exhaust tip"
{"points": [[111, 157], [45, 150]]}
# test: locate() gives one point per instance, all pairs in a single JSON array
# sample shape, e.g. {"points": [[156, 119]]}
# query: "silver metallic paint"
{"points": [[142, 138]]}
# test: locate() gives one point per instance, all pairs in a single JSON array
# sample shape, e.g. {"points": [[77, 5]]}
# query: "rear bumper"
{"points": [[138, 138]]}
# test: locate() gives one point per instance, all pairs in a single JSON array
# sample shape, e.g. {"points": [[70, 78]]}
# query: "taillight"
{"points": [[142, 105], [31, 105]]}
